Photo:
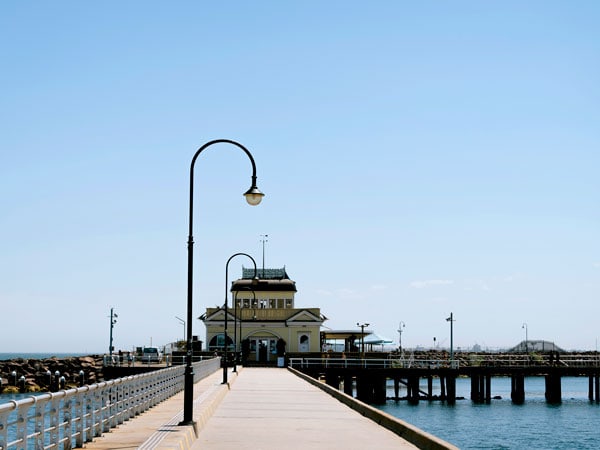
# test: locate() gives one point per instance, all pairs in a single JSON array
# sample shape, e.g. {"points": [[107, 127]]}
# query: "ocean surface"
{"points": [[573, 424], [5, 356]]}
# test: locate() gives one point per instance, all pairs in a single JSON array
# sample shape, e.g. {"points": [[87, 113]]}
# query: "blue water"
{"points": [[573, 424], [6, 356]]}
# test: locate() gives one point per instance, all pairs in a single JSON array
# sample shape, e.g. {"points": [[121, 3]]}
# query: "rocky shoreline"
{"points": [[50, 374]]}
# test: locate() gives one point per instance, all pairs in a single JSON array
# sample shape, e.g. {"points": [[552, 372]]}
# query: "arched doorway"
{"points": [[217, 343]]}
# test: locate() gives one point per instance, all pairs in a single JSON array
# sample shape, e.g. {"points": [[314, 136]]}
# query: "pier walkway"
{"points": [[262, 408]]}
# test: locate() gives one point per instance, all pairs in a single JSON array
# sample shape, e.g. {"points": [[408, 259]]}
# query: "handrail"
{"points": [[534, 360], [367, 363], [68, 418], [135, 361]]}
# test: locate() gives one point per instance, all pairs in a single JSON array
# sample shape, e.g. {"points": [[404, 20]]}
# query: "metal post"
{"points": [[400, 326], [263, 240], [225, 364], [253, 197], [113, 320], [451, 320], [235, 318], [362, 336]]}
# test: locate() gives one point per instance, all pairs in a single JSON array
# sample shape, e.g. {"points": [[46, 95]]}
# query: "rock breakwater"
{"points": [[50, 374]]}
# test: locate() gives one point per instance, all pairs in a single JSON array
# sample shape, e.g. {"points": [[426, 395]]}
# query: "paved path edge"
{"points": [[405, 430]]}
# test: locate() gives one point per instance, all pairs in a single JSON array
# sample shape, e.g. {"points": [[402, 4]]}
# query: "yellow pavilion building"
{"points": [[263, 322]]}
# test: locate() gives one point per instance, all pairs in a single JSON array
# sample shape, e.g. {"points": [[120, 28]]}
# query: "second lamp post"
{"points": [[225, 362]]}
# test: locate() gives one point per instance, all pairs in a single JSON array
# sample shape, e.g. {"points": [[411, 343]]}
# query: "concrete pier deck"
{"points": [[262, 408]]}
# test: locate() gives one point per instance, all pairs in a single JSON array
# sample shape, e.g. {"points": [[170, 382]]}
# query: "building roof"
{"points": [[265, 274], [344, 334], [273, 280], [261, 285]]}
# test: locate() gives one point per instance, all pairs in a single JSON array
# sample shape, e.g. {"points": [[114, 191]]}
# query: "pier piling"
{"points": [[517, 391], [553, 388]]}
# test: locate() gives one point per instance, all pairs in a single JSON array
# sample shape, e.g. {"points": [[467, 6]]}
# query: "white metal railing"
{"points": [[135, 361], [69, 418], [369, 363], [472, 360]]}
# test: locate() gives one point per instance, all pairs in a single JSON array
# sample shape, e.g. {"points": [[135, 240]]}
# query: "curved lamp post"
{"points": [[451, 320], [401, 325], [362, 336], [113, 320], [225, 329], [235, 337], [526, 339], [253, 197]]}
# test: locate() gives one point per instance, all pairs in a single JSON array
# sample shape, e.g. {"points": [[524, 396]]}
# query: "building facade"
{"points": [[263, 321]]}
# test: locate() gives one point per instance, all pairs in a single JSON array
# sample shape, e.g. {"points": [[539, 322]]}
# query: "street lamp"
{"points": [[113, 320], [526, 339], [235, 338], [362, 336], [253, 197], [225, 329], [183, 322], [451, 320], [400, 326]]}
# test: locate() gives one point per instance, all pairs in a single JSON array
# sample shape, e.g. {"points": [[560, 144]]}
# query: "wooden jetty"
{"points": [[370, 375]]}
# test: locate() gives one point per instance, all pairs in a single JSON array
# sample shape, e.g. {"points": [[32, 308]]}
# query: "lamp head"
{"points": [[253, 195]]}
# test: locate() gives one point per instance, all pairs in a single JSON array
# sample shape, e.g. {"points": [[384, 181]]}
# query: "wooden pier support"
{"points": [[364, 388], [517, 388], [481, 387], [451, 389], [553, 388], [594, 388], [371, 388], [348, 381], [396, 388], [429, 387], [332, 380], [379, 390], [412, 388]]}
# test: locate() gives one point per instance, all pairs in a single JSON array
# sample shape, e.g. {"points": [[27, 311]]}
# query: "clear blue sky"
{"points": [[418, 158]]}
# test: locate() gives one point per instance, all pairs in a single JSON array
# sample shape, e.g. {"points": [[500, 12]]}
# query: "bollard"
{"points": [[81, 378], [48, 378], [56, 381], [13, 376], [22, 384], [62, 382]]}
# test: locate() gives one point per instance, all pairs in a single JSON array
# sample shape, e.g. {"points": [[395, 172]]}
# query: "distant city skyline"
{"points": [[418, 159]]}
